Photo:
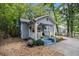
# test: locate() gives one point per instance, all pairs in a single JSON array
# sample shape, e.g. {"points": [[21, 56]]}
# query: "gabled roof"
{"points": [[38, 18]]}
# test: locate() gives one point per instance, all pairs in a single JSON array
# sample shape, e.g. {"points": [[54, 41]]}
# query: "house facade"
{"points": [[41, 26]]}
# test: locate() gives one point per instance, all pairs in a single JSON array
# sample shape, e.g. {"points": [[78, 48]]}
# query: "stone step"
{"points": [[48, 42]]}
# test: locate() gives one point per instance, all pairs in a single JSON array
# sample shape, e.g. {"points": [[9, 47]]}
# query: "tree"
{"points": [[53, 9], [69, 12], [11, 13]]}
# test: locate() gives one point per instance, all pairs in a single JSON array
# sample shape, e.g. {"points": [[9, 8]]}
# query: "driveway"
{"points": [[69, 47]]}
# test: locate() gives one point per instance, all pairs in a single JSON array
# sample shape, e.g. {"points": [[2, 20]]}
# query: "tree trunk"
{"points": [[71, 19], [19, 27], [55, 17], [68, 28], [71, 28], [68, 20]]}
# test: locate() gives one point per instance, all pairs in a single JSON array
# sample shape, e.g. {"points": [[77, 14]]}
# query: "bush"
{"points": [[31, 43], [39, 42], [42, 37], [34, 42]]}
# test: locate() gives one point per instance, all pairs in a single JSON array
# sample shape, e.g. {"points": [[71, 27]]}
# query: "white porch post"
{"points": [[29, 32], [54, 30], [36, 25]]}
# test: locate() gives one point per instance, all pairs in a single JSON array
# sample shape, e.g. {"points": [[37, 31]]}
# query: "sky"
{"points": [[57, 4]]}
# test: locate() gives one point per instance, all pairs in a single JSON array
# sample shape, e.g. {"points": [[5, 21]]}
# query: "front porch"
{"points": [[37, 31]]}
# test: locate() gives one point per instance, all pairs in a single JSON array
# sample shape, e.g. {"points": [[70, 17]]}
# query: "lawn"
{"points": [[18, 47]]}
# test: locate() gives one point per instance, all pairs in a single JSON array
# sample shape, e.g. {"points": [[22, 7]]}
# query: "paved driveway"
{"points": [[70, 46]]}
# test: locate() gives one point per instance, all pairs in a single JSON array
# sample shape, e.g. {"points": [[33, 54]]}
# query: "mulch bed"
{"points": [[18, 47]]}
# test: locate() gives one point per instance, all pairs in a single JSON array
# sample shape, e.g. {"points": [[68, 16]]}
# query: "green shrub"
{"points": [[42, 37], [39, 42], [33, 42]]}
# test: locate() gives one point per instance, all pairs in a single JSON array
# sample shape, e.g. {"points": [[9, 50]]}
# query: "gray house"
{"points": [[37, 28]]}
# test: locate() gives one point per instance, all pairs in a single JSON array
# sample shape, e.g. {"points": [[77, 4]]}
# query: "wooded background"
{"points": [[64, 14]]}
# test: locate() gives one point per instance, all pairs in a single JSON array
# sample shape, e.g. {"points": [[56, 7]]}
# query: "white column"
{"points": [[36, 31], [48, 31], [29, 32], [54, 30]]}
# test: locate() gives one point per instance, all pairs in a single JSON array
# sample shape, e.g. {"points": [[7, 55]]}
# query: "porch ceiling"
{"points": [[45, 24]]}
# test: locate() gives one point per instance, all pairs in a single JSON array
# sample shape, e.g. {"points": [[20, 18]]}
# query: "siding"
{"points": [[24, 30], [49, 24], [45, 21]]}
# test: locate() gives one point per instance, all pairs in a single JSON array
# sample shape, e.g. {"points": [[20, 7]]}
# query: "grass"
{"points": [[18, 47]]}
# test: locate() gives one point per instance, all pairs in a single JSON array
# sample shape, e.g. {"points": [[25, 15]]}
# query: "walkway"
{"points": [[70, 46]]}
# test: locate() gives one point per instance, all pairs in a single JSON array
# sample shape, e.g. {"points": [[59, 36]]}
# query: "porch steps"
{"points": [[48, 42]]}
